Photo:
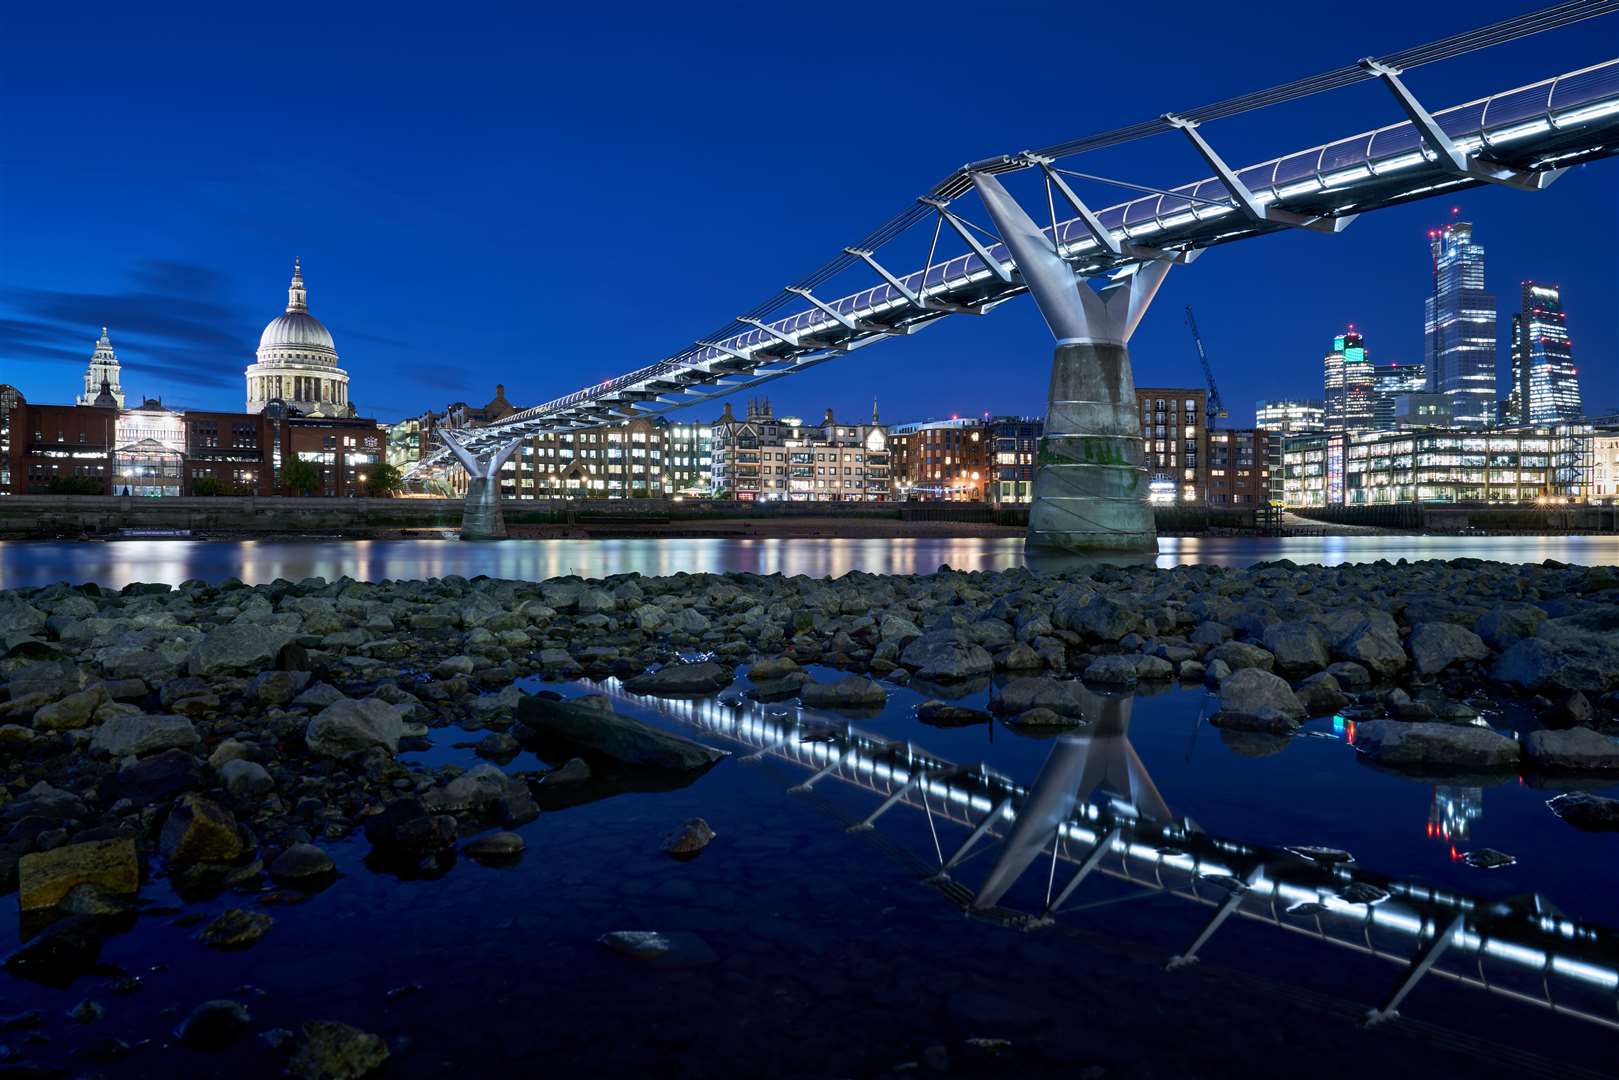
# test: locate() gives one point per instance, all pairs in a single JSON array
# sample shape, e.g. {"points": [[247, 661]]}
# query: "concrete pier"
{"points": [[1090, 487]]}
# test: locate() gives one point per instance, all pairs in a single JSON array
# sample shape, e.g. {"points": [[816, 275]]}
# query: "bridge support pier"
{"points": [[481, 516], [1090, 487]]}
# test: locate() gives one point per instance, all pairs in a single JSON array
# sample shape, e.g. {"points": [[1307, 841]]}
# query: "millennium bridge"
{"points": [[1094, 810], [1093, 270]]}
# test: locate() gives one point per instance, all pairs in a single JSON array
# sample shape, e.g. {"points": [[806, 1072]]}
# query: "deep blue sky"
{"points": [[487, 194]]}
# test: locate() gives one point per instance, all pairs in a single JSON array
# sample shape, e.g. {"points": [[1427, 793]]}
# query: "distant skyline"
{"points": [[546, 201]]}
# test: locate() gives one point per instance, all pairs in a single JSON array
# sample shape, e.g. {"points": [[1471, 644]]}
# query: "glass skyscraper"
{"points": [[1393, 381], [1545, 386], [1459, 326], [1350, 382]]}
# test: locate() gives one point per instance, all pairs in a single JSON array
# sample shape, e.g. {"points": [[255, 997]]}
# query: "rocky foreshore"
{"points": [[220, 735]]}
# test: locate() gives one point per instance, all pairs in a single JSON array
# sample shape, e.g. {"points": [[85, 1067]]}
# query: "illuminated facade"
{"points": [[297, 362], [1605, 467], [616, 461], [1239, 469], [1501, 466], [1290, 416], [1350, 382], [1392, 382], [1173, 426], [1014, 444], [688, 460], [1459, 326], [941, 460], [103, 369], [1545, 385], [765, 457]]}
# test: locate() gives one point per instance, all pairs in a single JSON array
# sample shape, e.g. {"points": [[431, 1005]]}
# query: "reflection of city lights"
{"points": [[1452, 811]]}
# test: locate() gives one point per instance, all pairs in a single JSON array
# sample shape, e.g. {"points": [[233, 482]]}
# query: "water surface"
{"points": [[115, 563]]}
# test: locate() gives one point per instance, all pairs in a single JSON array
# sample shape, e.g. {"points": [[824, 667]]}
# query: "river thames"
{"points": [[116, 563]]}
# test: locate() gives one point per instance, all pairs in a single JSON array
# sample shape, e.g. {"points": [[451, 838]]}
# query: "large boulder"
{"points": [[1103, 619], [1435, 646], [329, 1050], [942, 656], [247, 647], [1040, 692], [44, 878], [1579, 749], [1590, 813], [349, 726], [1503, 627], [1321, 694], [1298, 647], [1238, 655], [1562, 661], [706, 677], [199, 830], [144, 733], [1253, 699], [1374, 643], [851, 692], [1452, 747], [71, 712], [19, 618], [619, 738]]}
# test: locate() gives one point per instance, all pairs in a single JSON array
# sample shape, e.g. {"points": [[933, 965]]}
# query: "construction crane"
{"points": [[1216, 409]]}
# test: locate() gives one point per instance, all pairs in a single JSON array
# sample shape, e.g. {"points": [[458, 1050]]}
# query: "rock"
{"points": [[237, 647], [942, 656], [1113, 670], [1587, 662], [1042, 717], [71, 712], [1435, 646], [1298, 647], [246, 779], [1488, 859], [688, 840], [1192, 670], [937, 713], [1572, 709], [303, 865], [329, 1050], [572, 771], [348, 726], [318, 696], [235, 928], [404, 829], [852, 692], [1019, 657], [670, 949], [495, 847], [497, 745], [214, 1025], [1578, 749], [1586, 812], [1320, 694], [134, 736], [199, 830], [1239, 655], [46, 877], [19, 618], [1103, 619], [1503, 627], [621, 738], [1375, 645], [675, 679], [1039, 692], [1456, 747], [1262, 699], [1153, 668], [1350, 675], [277, 687], [773, 669], [155, 779]]}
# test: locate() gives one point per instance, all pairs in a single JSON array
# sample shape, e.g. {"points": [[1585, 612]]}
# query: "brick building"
{"points": [[1174, 426], [941, 460], [1238, 468]]}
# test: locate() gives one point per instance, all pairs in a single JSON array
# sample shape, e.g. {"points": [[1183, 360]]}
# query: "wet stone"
{"points": [[689, 840], [236, 928]]}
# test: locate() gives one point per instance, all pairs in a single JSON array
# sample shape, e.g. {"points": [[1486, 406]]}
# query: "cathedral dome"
{"points": [[297, 329]]}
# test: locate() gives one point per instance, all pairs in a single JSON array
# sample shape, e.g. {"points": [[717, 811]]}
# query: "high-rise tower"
{"points": [[1350, 382], [1545, 385], [1459, 326]]}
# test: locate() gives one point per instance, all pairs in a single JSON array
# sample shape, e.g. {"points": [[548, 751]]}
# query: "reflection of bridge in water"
{"points": [[1094, 810]]}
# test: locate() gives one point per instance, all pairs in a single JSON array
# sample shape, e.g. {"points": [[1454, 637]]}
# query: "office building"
{"points": [[1459, 326], [1281, 417], [1545, 385], [615, 461], [1014, 448], [688, 460], [1351, 383], [1392, 381], [1239, 468]]}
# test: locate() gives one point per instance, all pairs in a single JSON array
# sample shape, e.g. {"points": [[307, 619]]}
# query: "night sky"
{"points": [[488, 194]]}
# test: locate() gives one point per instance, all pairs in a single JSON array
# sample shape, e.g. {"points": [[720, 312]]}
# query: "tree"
{"points": [[208, 486], [300, 477], [76, 485], [383, 480]]}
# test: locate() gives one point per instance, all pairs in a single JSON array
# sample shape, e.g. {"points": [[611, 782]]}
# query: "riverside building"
{"points": [[761, 456], [1173, 428], [297, 362], [940, 460], [1279, 418], [1498, 466], [615, 461]]}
